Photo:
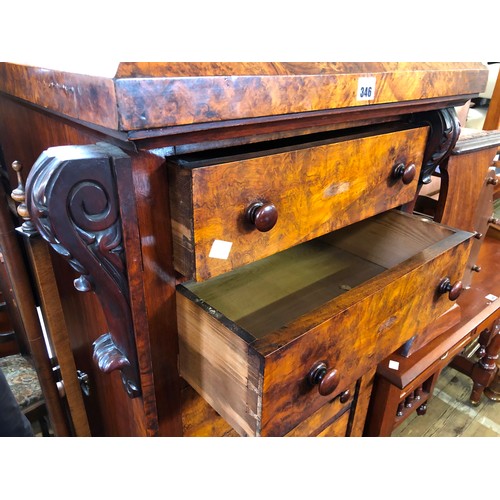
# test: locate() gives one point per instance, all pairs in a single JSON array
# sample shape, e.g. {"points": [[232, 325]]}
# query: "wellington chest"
{"points": [[242, 232]]}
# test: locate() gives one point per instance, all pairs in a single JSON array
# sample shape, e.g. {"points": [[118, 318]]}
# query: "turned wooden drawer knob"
{"points": [[454, 291], [405, 173], [326, 380], [345, 396], [262, 215]]}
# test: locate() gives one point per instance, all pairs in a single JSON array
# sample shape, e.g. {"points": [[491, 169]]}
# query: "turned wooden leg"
{"points": [[422, 409], [483, 341], [401, 407], [493, 391], [418, 393], [484, 371], [409, 400]]}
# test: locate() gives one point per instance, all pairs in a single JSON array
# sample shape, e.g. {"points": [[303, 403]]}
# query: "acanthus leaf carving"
{"points": [[444, 130], [73, 201]]}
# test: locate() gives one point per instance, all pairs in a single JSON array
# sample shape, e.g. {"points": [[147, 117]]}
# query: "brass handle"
{"points": [[405, 173], [454, 291], [262, 215], [326, 380]]}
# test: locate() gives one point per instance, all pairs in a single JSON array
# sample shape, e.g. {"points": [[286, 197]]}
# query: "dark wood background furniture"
{"points": [[237, 234], [399, 392], [25, 361], [492, 120], [15, 360], [405, 380]]}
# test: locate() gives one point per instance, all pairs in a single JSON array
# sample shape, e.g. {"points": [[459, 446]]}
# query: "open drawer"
{"points": [[268, 344], [230, 209]]}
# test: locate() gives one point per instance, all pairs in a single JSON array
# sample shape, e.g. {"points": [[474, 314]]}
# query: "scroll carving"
{"points": [[72, 198], [443, 135]]}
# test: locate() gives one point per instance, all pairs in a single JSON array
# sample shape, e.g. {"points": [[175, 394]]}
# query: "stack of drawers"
{"points": [[286, 311], [242, 230]]}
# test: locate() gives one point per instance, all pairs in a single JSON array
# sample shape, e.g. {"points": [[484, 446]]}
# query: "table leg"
{"points": [[484, 371]]}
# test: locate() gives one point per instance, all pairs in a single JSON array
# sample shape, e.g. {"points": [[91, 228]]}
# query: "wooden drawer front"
{"points": [[337, 428], [359, 336], [330, 420], [248, 339], [314, 189]]}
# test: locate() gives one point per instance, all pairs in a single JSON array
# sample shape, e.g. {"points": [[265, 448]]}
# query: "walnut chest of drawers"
{"points": [[243, 233]]}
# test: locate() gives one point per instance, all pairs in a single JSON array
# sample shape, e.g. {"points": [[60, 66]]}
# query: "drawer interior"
{"points": [[268, 294]]}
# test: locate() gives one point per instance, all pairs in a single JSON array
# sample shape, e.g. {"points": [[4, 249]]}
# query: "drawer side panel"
{"points": [[217, 364], [181, 201]]}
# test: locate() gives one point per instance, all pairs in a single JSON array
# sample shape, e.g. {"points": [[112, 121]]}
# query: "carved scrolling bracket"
{"points": [[72, 199], [444, 130]]}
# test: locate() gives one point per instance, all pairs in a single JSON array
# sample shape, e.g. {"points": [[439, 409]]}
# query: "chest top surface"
{"points": [[139, 96]]}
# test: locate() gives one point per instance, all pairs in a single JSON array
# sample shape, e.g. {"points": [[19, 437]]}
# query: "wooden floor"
{"points": [[450, 413]]}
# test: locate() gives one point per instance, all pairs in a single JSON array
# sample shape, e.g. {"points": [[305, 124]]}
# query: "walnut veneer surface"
{"points": [[144, 96], [479, 311], [167, 158]]}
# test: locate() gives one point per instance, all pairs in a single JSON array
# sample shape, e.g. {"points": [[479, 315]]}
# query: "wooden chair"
{"points": [[492, 390], [492, 120], [16, 364], [463, 200], [24, 383], [8, 342], [19, 294], [483, 369], [397, 393], [479, 360]]}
